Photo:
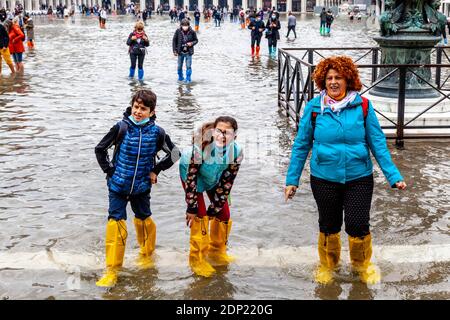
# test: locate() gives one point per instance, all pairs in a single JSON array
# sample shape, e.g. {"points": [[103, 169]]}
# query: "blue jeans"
{"points": [[140, 204], [17, 57], [181, 58]]}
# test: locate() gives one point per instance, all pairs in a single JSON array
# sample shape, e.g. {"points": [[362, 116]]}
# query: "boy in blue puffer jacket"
{"points": [[130, 174]]}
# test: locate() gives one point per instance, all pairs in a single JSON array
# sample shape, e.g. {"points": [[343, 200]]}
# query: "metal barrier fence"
{"points": [[296, 85]]}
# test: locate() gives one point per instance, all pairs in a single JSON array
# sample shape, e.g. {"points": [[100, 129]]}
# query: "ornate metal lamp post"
{"points": [[409, 31]]}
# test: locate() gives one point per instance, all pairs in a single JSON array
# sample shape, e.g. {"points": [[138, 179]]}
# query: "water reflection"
{"points": [[215, 288], [187, 106], [255, 68], [15, 83], [272, 65], [334, 291], [328, 292], [360, 291], [135, 284]]}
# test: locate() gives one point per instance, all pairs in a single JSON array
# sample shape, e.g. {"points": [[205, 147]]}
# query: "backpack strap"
{"points": [[365, 107], [123, 128], [313, 122]]}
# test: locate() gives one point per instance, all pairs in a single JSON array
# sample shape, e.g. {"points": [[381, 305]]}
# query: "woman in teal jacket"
{"points": [[340, 128], [210, 166]]}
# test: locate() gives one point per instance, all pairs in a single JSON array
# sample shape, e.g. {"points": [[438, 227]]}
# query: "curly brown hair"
{"points": [[344, 66]]}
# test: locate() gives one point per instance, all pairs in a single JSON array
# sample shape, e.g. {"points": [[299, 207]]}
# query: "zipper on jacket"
{"points": [[137, 160]]}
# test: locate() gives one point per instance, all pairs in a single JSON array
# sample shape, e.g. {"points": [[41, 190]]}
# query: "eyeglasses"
{"points": [[226, 133]]}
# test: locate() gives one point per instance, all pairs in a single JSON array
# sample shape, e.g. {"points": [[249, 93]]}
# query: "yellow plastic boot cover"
{"points": [[146, 237], [199, 242], [329, 247], [116, 237], [217, 252], [360, 254]]}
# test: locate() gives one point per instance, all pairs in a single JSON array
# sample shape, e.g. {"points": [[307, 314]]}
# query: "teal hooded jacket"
{"points": [[215, 162], [341, 144]]}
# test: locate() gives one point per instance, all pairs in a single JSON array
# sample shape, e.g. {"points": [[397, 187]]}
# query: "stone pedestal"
{"points": [[411, 46]]}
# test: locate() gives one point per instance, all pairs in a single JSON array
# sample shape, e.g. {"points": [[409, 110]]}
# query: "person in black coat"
{"points": [[197, 16], [329, 21], [217, 17], [257, 26], [181, 16], [137, 42], [323, 21], [183, 43], [272, 33], [3, 15], [144, 16]]}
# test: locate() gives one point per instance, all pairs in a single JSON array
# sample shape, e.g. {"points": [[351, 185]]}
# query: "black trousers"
{"points": [[272, 42], [139, 58], [354, 198], [289, 31], [257, 40]]}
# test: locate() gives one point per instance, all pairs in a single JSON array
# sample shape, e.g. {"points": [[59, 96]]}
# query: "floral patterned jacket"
{"points": [[222, 188]]}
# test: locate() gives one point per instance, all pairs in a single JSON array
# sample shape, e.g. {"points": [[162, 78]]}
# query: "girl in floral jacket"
{"points": [[210, 166]]}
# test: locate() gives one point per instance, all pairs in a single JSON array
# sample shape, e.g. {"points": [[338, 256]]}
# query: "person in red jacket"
{"points": [[16, 48]]}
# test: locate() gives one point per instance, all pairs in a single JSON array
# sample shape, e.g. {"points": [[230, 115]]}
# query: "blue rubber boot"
{"points": [[131, 75], [180, 75], [188, 75], [141, 74]]}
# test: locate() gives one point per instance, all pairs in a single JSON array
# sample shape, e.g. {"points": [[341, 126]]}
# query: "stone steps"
{"points": [[427, 119]]}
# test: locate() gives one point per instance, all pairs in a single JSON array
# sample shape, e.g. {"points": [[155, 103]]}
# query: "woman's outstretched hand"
{"points": [[401, 185], [190, 218], [289, 192]]}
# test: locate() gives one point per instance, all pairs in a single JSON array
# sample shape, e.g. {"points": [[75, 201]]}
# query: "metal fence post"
{"points": [[279, 77], [399, 143], [438, 69], [297, 92], [310, 83], [286, 86], [374, 61], [310, 56]]}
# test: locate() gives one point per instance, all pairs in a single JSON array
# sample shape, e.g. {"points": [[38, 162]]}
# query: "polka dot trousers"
{"points": [[352, 198]]}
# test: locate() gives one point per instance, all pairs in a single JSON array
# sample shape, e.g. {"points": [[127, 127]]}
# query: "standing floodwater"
{"points": [[53, 198]]}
